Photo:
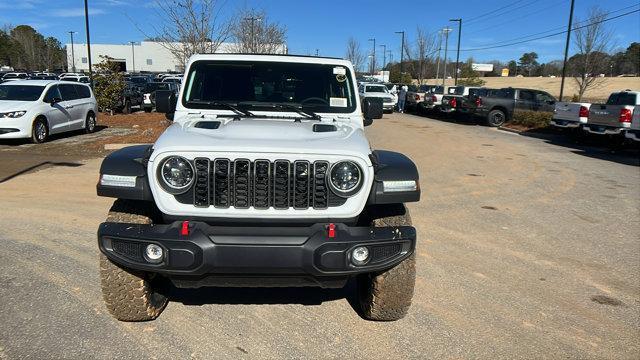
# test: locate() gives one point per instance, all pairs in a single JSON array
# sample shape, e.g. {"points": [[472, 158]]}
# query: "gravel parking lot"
{"points": [[528, 248]]}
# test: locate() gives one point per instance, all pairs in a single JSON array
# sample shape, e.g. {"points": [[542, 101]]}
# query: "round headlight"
{"points": [[177, 173], [345, 178]]}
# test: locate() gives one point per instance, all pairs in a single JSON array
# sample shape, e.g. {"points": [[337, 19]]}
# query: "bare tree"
{"points": [[253, 33], [355, 54], [425, 46], [592, 43], [190, 27]]}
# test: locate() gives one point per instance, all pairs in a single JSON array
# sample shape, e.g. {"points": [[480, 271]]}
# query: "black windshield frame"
{"points": [[30, 92], [238, 81]]}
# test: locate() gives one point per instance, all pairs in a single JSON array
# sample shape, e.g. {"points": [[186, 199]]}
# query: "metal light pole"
{"points": [[373, 58], [390, 56], [566, 50], [401, 53], [133, 54], [73, 55], [458, 52], [86, 24], [439, 51], [446, 46], [384, 55]]}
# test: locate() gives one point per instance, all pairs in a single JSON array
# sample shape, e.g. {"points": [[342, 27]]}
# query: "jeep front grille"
{"points": [[261, 184]]}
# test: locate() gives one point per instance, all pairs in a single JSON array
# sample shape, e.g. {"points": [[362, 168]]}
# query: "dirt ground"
{"points": [[600, 92], [527, 248]]}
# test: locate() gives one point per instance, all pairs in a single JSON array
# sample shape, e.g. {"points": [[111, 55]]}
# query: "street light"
{"points": [[373, 54], [73, 56], [439, 51], [384, 55], [446, 32], [86, 23], [133, 54], [458, 52], [401, 52]]}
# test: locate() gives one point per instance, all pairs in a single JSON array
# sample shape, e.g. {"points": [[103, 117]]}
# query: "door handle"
{"points": [[69, 107]]}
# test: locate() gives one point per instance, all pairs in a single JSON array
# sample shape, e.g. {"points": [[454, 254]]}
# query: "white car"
{"points": [[76, 78], [38, 108], [570, 115], [367, 90], [13, 76], [173, 79]]}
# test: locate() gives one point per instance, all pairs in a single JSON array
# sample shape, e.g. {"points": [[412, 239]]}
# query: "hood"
{"points": [[11, 105], [379, 95], [276, 136]]}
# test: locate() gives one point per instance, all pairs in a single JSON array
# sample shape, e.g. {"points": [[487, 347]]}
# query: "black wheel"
{"points": [[90, 123], [40, 131], [147, 109], [386, 295], [130, 295], [496, 118], [126, 109]]}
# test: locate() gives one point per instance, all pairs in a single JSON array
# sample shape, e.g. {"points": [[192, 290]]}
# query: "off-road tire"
{"points": [[148, 109], [130, 295], [386, 295], [496, 118]]}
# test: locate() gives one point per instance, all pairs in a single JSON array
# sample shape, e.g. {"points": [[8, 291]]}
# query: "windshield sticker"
{"points": [[341, 78], [338, 70], [338, 102]]}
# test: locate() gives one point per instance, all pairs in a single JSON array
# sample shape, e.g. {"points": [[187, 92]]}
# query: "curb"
{"points": [[514, 131]]}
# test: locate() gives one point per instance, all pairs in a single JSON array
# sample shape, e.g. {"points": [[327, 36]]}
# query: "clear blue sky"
{"points": [[326, 25]]}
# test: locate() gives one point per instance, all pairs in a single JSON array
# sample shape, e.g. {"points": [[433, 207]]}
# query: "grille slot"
{"points": [[261, 184]]}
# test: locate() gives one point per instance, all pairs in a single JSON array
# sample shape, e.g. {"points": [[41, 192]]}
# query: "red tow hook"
{"points": [[331, 230], [184, 231]]}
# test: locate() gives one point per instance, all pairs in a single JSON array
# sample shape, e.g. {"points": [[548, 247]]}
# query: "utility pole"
{"points": [[373, 56], [317, 52], [439, 51], [253, 42], [401, 52], [566, 49], [133, 54], [390, 56], [86, 25], [446, 46], [73, 55], [384, 55], [458, 52]]}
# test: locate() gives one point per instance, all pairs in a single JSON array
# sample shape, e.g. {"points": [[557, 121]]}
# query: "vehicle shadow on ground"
{"points": [[597, 148], [40, 165], [309, 296], [52, 138]]}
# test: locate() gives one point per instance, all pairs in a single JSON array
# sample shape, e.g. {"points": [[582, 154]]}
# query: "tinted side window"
{"points": [[526, 95], [83, 91], [53, 92], [68, 92], [622, 98]]}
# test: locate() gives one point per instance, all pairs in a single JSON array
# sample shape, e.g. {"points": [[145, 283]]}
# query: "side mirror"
{"points": [[55, 100], [371, 109], [551, 102], [165, 101]]}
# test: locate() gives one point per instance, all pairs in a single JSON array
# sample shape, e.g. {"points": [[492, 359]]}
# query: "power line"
{"points": [[552, 35], [510, 21], [493, 11]]}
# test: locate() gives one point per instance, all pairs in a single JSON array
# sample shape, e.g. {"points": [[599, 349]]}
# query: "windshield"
{"points": [[20, 92], [622, 98], [438, 90], [425, 88], [376, 89], [318, 87]]}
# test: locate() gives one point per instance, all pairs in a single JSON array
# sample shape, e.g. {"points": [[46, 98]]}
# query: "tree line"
{"points": [[24, 48]]}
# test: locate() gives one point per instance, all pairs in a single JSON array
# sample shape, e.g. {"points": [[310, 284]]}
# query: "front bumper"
{"points": [[268, 252], [388, 106]]}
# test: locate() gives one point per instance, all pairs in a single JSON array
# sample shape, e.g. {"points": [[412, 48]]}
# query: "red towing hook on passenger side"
{"points": [[331, 230], [184, 231]]}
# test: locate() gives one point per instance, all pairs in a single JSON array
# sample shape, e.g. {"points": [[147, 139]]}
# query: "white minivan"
{"points": [[38, 108]]}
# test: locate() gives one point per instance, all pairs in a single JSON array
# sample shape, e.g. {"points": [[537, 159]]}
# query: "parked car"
{"points": [[570, 115], [173, 79], [433, 99], [415, 96], [499, 106], [149, 94], [293, 196], [368, 90], [615, 116], [131, 97], [38, 108], [15, 76], [76, 78], [454, 97], [633, 132]]}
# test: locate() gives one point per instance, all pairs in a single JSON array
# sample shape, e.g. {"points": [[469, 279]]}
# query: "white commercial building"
{"points": [[145, 56]]}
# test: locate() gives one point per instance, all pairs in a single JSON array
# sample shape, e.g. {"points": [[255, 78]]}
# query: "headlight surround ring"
{"points": [[183, 167], [341, 190]]}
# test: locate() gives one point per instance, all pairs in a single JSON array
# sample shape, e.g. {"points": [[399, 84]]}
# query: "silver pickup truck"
{"points": [[613, 117]]}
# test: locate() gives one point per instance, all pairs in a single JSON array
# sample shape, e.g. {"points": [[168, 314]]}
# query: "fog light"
{"points": [[360, 255], [153, 253]]}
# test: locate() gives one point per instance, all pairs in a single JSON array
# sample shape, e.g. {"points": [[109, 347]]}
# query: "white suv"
{"points": [[38, 108]]}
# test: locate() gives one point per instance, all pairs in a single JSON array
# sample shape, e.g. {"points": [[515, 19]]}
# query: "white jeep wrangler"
{"points": [[265, 178]]}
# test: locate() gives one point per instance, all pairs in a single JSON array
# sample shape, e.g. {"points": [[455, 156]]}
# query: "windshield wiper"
{"points": [[298, 109], [225, 105]]}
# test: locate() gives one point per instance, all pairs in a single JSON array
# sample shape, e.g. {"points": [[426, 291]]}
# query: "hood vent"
{"points": [[209, 125], [324, 128]]}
